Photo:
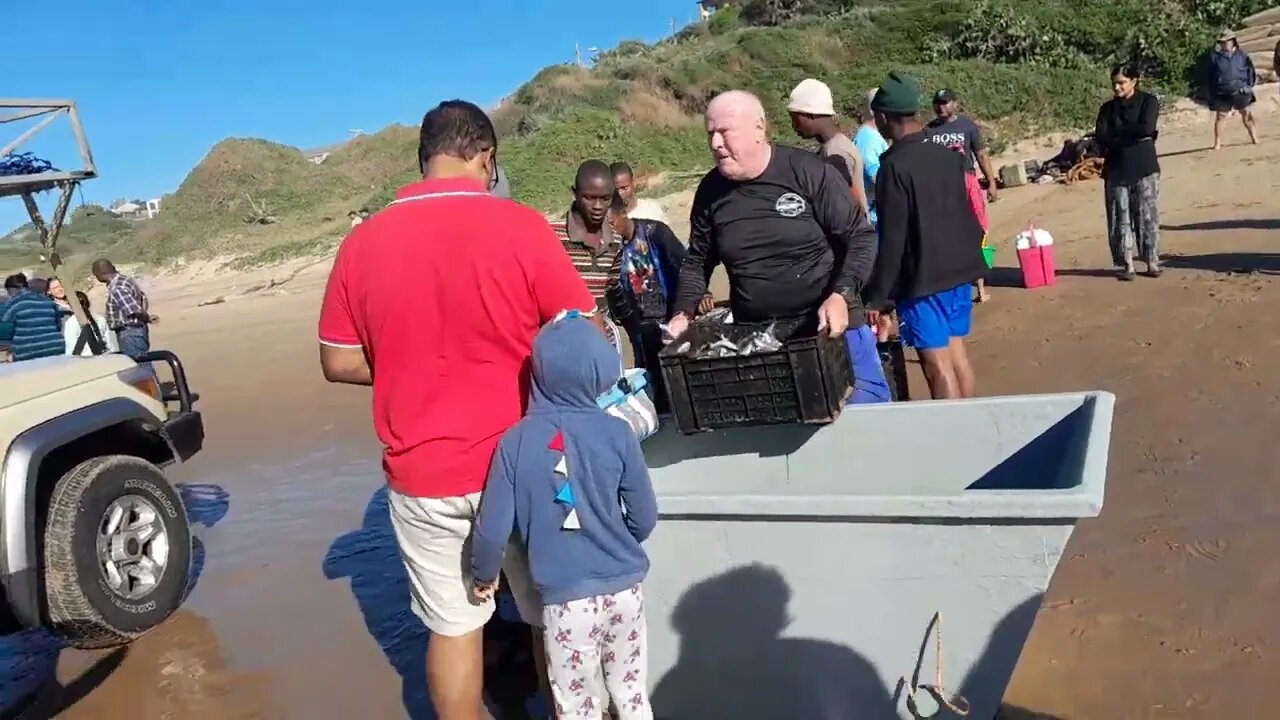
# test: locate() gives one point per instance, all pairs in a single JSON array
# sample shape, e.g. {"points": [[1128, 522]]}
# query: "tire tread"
{"points": [[72, 615]]}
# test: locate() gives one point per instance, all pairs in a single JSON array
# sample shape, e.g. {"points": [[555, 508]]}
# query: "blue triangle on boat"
{"points": [[565, 496]]}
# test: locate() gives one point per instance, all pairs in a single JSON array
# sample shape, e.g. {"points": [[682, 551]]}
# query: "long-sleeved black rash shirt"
{"points": [[788, 239], [930, 239]]}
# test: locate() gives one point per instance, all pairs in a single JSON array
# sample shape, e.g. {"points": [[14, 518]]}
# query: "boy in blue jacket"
{"points": [[572, 481]]}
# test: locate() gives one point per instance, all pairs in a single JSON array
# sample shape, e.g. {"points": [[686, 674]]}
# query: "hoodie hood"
{"points": [[573, 364]]}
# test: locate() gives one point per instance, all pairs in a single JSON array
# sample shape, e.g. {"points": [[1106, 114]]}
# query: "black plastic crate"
{"points": [[894, 362], [807, 381]]}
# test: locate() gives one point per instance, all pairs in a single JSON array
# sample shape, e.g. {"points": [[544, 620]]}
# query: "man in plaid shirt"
{"points": [[128, 312]]}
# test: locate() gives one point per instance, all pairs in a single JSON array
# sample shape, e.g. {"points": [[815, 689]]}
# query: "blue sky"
{"points": [[157, 84]]}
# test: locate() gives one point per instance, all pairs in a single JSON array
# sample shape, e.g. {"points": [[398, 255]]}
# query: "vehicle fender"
{"points": [[19, 476]]}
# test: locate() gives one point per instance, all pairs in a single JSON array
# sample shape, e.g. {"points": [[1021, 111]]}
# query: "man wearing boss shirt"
{"points": [[435, 302], [791, 239]]}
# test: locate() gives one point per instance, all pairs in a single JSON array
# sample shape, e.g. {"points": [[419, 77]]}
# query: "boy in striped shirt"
{"points": [[590, 241]]}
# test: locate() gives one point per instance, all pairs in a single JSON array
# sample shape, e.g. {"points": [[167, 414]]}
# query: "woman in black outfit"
{"points": [[1127, 131]]}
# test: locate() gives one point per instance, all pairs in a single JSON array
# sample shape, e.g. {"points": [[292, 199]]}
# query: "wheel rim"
{"points": [[133, 547]]}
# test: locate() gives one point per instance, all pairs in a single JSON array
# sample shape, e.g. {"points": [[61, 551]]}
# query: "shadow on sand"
{"points": [[1228, 263], [369, 558], [1232, 224], [734, 662], [29, 687], [1011, 277]]}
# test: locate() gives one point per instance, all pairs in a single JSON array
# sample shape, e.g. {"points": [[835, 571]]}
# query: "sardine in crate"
{"points": [[807, 381]]}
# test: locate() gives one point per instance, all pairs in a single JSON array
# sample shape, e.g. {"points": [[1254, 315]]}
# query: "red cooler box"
{"points": [[1035, 257]]}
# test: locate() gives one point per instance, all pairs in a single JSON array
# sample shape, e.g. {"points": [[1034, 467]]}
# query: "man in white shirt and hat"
{"points": [[813, 117]]}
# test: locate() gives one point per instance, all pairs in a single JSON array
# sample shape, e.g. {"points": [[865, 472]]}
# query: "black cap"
{"points": [[942, 97]]}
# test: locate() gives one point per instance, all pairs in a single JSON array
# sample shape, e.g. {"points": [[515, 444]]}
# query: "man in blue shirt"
{"points": [[31, 322], [871, 145]]}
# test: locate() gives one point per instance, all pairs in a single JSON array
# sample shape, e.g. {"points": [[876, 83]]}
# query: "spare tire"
{"points": [[117, 551]]}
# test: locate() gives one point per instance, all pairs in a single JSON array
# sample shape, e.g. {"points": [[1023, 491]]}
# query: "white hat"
{"points": [[811, 97]]}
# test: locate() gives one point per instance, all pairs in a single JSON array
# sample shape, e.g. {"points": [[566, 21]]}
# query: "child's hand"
{"points": [[483, 591]]}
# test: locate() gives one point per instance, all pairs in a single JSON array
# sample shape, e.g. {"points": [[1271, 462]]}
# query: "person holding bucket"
{"points": [[1126, 128]]}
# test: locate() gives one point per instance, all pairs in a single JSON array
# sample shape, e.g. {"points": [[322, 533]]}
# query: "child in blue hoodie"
{"points": [[573, 483]]}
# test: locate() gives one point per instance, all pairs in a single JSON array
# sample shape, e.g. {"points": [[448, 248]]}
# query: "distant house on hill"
{"points": [[707, 8], [129, 210], [317, 155]]}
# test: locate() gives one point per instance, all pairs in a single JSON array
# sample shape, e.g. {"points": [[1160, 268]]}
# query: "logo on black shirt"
{"points": [[790, 205]]}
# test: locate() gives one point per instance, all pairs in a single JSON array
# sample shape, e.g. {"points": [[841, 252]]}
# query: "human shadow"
{"points": [[1004, 277], [29, 658], [1180, 153], [370, 559], [734, 663], [988, 678], [1228, 263], [1231, 224], [380, 584], [1011, 277], [207, 504], [51, 698]]}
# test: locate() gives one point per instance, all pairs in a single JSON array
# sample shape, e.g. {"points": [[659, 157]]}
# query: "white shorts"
{"points": [[434, 536]]}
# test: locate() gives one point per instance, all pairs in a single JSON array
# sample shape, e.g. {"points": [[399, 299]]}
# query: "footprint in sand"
{"points": [[1211, 550]]}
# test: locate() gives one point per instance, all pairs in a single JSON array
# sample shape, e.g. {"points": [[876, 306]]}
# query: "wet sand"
{"points": [[1161, 607]]}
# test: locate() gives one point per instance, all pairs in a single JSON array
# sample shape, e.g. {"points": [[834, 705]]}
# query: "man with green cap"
{"points": [[930, 241]]}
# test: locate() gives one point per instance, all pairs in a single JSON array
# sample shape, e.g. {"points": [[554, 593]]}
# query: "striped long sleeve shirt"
{"points": [[33, 324]]}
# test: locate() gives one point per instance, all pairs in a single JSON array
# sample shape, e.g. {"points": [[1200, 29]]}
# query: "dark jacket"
{"points": [[930, 239], [1233, 73], [1126, 129], [666, 254]]}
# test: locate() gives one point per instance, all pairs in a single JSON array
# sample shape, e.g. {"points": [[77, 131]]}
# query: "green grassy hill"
{"points": [[1021, 67]]}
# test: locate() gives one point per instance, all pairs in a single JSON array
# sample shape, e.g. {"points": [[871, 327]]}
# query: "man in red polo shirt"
{"points": [[435, 302]]}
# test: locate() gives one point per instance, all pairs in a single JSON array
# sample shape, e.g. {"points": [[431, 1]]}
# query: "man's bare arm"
{"points": [[859, 190], [984, 162], [345, 365]]}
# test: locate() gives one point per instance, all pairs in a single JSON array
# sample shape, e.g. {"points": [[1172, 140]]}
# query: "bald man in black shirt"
{"points": [[792, 241]]}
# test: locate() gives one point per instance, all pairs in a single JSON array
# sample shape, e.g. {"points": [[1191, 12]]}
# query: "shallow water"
{"points": [[303, 592]]}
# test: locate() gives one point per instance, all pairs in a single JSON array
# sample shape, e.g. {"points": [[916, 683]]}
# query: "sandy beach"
{"points": [[1162, 607]]}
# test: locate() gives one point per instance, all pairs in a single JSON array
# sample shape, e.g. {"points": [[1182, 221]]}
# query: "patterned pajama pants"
{"points": [[596, 653], [1133, 220]]}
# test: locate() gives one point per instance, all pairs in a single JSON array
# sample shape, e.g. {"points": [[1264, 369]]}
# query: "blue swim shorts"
{"points": [[929, 322]]}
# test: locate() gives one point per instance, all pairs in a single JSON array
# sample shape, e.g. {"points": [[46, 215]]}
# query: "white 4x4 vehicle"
{"points": [[94, 541]]}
